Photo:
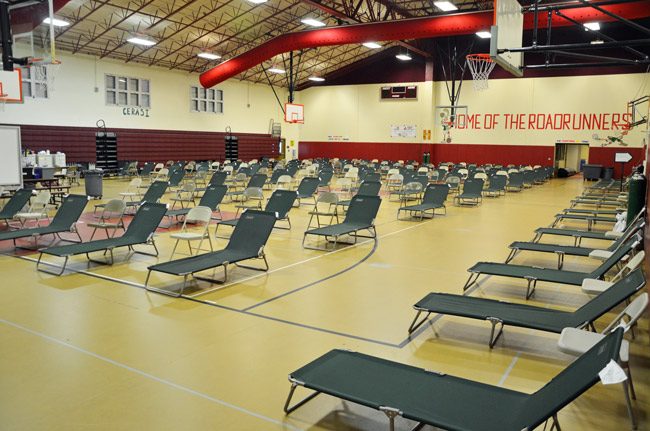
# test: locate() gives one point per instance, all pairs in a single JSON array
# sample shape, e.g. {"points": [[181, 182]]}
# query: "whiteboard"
{"points": [[11, 172]]}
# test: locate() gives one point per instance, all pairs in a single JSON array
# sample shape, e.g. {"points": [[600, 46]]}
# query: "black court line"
{"points": [[314, 283], [214, 304]]}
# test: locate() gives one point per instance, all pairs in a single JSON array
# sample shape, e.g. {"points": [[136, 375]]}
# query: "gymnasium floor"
{"points": [[91, 350]]}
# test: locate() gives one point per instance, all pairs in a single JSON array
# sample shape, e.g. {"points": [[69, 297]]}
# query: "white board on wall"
{"points": [[11, 173]]}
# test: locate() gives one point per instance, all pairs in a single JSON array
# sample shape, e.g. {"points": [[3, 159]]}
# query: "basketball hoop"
{"points": [[480, 65]]}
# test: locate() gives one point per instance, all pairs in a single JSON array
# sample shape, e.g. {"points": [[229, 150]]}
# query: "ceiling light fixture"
{"points": [[597, 42], [208, 56], [141, 41], [445, 6], [312, 22], [371, 45], [595, 26], [484, 34], [403, 57], [258, 1], [56, 22], [316, 79], [276, 70]]}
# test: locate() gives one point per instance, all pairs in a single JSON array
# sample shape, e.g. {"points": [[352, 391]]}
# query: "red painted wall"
{"points": [[145, 145], [520, 154], [363, 150], [605, 156], [473, 153]]}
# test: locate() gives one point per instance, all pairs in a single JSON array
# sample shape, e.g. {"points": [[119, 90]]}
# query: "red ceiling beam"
{"points": [[417, 28]]}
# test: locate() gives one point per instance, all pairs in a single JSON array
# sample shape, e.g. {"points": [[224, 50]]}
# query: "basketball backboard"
{"points": [[11, 90], [294, 113], [507, 32]]}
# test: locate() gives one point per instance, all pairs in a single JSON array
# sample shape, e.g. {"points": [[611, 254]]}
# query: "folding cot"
{"points": [[533, 274], [140, 231], [472, 193], [154, 193], [578, 235], [527, 316], [256, 181], [366, 188], [247, 242], [563, 250], [434, 198], [591, 219], [445, 401], [360, 216], [515, 182], [217, 179], [212, 198], [65, 220], [16, 203], [497, 186], [307, 189], [280, 203]]}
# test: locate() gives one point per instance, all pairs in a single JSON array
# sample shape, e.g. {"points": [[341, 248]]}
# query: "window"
{"points": [[206, 100], [34, 81], [124, 91]]}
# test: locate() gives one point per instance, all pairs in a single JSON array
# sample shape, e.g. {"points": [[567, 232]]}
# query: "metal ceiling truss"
{"points": [[184, 28], [604, 42]]}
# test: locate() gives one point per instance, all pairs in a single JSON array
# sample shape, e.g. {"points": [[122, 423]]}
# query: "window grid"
{"points": [[125, 91], [206, 100]]}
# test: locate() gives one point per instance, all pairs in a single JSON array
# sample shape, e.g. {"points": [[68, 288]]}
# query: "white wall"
{"points": [[356, 111], [598, 94], [74, 102]]}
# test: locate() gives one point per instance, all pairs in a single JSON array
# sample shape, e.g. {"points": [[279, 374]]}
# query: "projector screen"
{"points": [[11, 173]]}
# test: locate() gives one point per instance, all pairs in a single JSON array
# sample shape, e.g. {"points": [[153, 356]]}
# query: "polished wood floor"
{"points": [[92, 350]]}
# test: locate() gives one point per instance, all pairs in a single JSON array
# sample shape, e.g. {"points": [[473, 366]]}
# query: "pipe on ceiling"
{"points": [[415, 28]]}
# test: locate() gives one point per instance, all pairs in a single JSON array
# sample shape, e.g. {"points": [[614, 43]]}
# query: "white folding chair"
{"points": [[198, 220]]}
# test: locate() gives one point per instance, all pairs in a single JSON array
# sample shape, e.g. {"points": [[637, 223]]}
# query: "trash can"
{"points": [[94, 183], [636, 196], [607, 173]]}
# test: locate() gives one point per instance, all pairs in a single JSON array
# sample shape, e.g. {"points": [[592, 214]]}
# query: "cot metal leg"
{"points": [[560, 259], [513, 253], [530, 289], [153, 244], [473, 277], [289, 409], [266, 265], [214, 280], [628, 402], [493, 339], [415, 324], [40, 268], [391, 413], [102, 262]]}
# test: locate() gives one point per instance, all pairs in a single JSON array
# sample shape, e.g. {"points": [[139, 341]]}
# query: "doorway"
{"points": [[571, 156]]}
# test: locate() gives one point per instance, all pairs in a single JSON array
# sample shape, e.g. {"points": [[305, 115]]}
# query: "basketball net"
{"points": [[480, 65], [3, 99], [45, 70]]}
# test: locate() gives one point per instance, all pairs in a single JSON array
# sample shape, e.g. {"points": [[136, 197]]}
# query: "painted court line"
{"points": [[506, 373], [320, 256], [225, 307], [151, 376]]}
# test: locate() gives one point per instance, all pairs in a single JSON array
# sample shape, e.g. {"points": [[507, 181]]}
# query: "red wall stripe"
{"points": [[146, 145], [472, 153]]}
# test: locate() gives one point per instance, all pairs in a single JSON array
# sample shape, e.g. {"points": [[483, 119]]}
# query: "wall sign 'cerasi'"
{"points": [[604, 121], [135, 112]]}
